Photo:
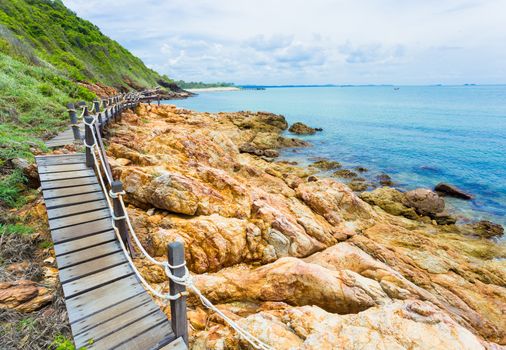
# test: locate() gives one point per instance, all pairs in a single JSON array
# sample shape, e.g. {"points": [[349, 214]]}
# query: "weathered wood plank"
{"points": [[76, 209], [59, 168], [145, 333], [105, 300], [96, 280], [66, 175], [92, 266], [84, 229], [47, 185], [79, 219], [128, 313], [87, 254], [115, 310], [72, 200], [85, 242], [68, 191], [61, 159], [84, 305]]}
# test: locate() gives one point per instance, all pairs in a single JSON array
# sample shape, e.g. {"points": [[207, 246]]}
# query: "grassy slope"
{"points": [[44, 50], [71, 44]]}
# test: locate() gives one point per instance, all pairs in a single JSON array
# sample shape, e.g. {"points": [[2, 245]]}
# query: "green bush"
{"points": [[11, 188], [62, 343]]}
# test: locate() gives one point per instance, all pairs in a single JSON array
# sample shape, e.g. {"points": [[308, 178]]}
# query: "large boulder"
{"points": [[390, 200], [325, 164], [483, 228], [337, 203], [295, 282], [424, 201], [401, 325], [412, 204], [452, 191], [301, 129]]}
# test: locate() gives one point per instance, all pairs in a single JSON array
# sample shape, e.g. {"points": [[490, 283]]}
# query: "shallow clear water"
{"points": [[418, 135]]}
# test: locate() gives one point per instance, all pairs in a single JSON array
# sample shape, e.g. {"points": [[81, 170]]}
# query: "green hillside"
{"points": [[45, 51], [45, 31]]}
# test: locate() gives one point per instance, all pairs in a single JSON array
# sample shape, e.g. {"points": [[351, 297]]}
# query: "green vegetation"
{"points": [[45, 31], [15, 229], [45, 52], [63, 343], [200, 85], [11, 187]]}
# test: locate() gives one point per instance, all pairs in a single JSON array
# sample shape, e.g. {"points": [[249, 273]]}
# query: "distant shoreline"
{"points": [[214, 89]]}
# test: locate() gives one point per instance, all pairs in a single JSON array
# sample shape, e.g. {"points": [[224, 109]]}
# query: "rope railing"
{"points": [[113, 190]]}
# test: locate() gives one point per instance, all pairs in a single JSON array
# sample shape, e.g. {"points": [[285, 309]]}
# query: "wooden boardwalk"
{"points": [[107, 306], [64, 138]]}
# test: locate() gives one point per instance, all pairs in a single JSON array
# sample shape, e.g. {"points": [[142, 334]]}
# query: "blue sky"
{"points": [[311, 42]]}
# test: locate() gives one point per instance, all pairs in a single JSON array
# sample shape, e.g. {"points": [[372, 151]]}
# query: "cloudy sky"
{"points": [[311, 42]]}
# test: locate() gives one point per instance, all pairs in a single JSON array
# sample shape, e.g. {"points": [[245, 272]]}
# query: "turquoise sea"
{"points": [[419, 135]]}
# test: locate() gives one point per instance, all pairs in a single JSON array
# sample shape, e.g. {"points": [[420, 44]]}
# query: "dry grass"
{"points": [[19, 248], [37, 330], [47, 328]]}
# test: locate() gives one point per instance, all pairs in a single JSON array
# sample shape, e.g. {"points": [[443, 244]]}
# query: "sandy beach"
{"points": [[214, 89]]}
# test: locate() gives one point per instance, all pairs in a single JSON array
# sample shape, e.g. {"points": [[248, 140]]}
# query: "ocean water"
{"points": [[419, 135]]}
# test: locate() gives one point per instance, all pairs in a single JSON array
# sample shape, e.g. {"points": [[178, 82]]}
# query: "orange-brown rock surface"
{"points": [[300, 264], [23, 296]]}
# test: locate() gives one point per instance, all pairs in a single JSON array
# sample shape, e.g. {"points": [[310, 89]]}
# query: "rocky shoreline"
{"points": [[299, 260]]}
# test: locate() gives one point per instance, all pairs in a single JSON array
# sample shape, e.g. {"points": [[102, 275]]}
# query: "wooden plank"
{"points": [[87, 254], [96, 280], [84, 305], [90, 267], [47, 185], [76, 209], [61, 192], [79, 219], [59, 168], [85, 242], [113, 311], [66, 175], [145, 333], [118, 316], [61, 159], [81, 230], [71, 200]]}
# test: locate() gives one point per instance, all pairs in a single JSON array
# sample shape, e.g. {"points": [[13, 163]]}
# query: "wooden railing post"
{"points": [[158, 99], [106, 114], [88, 137], [119, 213], [178, 316], [73, 121], [96, 109], [116, 106]]}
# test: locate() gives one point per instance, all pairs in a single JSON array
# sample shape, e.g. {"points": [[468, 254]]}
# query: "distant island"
{"points": [[201, 85]]}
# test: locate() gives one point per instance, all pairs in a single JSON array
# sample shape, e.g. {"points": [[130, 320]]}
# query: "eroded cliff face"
{"points": [[301, 262]]}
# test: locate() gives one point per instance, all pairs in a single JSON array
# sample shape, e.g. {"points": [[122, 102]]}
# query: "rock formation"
{"points": [[301, 261], [301, 129], [452, 191]]}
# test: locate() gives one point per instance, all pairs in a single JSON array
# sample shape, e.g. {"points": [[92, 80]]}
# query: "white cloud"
{"points": [[321, 41]]}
